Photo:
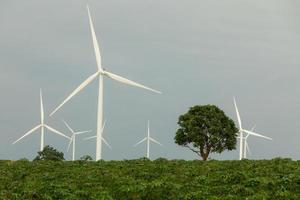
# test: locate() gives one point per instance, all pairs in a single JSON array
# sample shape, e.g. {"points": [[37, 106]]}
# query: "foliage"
{"points": [[49, 153], [145, 179], [86, 158], [206, 129]]}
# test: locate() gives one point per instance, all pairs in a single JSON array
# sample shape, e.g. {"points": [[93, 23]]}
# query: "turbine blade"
{"points": [[253, 127], [78, 89], [88, 138], [81, 132], [67, 125], [95, 136], [56, 131], [28, 133], [237, 114], [155, 141], [95, 42], [128, 82], [246, 137], [148, 129], [42, 106], [103, 126], [143, 140], [70, 144], [248, 149], [105, 142], [256, 134]]}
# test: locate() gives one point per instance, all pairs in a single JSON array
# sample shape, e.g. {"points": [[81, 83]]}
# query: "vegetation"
{"points": [[86, 158], [206, 129], [49, 153], [145, 179]]}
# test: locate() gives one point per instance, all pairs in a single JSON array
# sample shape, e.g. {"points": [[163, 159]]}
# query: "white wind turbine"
{"points": [[241, 131], [100, 74], [102, 138], [42, 126], [148, 139], [73, 138], [246, 147]]}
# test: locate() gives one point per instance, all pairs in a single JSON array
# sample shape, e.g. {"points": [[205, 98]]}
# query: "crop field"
{"points": [[144, 179]]}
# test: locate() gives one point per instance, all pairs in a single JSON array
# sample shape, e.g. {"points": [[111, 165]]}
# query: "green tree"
{"points": [[50, 153], [205, 129], [86, 158]]}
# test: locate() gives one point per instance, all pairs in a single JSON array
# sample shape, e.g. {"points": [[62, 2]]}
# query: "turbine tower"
{"points": [[241, 131], [100, 74], [42, 126], [73, 138], [148, 139]]}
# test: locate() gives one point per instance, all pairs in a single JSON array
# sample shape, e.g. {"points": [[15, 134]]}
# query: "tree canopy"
{"points": [[50, 153], [205, 129], [86, 158]]}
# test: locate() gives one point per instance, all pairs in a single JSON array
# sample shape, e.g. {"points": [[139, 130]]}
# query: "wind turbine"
{"points": [[73, 138], [41, 126], [100, 74], [246, 146], [241, 131], [102, 138], [148, 139]]}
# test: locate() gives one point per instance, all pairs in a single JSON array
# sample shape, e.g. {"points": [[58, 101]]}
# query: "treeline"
{"points": [[145, 179]]}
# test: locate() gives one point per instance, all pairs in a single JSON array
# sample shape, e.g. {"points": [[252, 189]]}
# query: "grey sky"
{"points": [[195, 52]]}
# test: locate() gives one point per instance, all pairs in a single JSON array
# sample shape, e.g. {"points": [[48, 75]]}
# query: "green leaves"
{"points": [[49, 153], [206, 129], [145, 179]]}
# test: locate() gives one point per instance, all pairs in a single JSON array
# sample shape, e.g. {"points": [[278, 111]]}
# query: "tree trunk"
{"points": [[204, 153], [204, 156]]}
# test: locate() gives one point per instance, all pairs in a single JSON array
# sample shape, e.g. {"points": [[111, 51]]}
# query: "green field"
{"points": [[144, 179]]}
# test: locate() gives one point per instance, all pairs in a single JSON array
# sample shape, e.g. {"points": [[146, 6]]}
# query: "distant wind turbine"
{"points": [[148, 139], [42, 126], [73, 138], [241, 131], [100, 74], [102, 138], [246, 147]]}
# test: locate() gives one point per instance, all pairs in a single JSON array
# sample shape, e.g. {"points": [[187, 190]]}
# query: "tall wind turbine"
{"points": [[42, 126], [99, 74], [148, 139], [241, 131], [73, 138], [102, 138]]}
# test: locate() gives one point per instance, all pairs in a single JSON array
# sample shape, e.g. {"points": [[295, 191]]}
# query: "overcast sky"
{"points": [[195, 52]]}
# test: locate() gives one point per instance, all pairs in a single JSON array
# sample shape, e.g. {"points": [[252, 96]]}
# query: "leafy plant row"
{"points": [[145, 179]]}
